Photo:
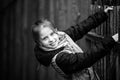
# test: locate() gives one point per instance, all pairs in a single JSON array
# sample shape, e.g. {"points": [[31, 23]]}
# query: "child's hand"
{"points": [[115, 37], [109, 8]]}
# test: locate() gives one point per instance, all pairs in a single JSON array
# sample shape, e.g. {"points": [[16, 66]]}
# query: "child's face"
{"points": [[49, 38]]}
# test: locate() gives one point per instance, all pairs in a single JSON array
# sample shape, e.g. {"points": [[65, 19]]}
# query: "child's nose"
{"points": [[50, 39]]}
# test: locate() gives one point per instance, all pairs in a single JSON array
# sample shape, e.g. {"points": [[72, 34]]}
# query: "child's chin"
{"points": [[54, 46]]}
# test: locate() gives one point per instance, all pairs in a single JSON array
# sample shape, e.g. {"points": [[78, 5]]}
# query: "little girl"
{"points": [[58, 48]]}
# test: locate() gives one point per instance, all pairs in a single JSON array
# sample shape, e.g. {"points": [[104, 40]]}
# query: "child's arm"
{"points": [[79, 30], [71, 63]]}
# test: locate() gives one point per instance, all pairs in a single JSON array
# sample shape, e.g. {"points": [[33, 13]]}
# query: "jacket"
{"points": [[72, 63]]}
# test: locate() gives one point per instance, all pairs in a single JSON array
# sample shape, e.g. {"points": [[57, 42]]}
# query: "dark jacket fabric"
{"points": [[71, 63]]}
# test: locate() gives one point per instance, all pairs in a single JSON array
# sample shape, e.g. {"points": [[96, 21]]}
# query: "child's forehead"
{"points": [[46, 25], [45, 28], [46, 31]]}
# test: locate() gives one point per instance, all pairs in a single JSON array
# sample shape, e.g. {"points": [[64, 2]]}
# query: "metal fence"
{"points": [[108, 68]]}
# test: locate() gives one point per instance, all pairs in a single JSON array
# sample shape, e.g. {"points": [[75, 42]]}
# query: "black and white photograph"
{"points": [[60, 39]]}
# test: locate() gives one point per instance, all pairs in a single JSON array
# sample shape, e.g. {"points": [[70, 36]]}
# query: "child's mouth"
{"points": [[53, 44]]}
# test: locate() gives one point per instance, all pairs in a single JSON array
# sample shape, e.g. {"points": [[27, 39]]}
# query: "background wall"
{"points": [[17, 58]]}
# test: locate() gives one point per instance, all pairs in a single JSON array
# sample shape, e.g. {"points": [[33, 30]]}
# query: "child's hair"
{"points": [[41, 23]]}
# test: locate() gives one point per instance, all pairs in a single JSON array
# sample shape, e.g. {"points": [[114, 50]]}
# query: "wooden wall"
{"points": [[17, 58]]}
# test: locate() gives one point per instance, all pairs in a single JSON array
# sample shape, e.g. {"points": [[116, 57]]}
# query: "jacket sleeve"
{"points": [[71, 63], [81, 28], [44, 57]]}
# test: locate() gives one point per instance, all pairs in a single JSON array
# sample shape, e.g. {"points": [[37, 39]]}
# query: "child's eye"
{"points": [[52, 33], [45, 38]]}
